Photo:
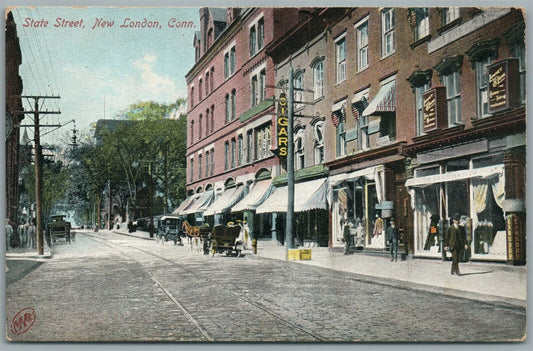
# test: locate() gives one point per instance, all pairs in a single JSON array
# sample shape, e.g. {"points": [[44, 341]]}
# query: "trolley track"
{"points": [[205, 278]]}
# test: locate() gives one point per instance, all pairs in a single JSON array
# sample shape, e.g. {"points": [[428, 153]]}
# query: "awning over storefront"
{"points": [[255, 197], [457, 175], [185, 204], [385, 100], [309, 195], [225, 201], [369, 173], [200, 204]]}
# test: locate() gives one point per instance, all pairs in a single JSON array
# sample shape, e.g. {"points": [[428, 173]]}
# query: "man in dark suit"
{"points": [[392, 240], [456, 243]]}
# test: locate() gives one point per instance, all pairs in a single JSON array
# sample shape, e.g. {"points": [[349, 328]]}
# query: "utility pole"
{"points": [[38, 166], [289, 237]]}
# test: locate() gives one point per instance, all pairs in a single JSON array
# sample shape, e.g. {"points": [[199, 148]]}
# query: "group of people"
{"points": [[26, 234], [455, 241]]}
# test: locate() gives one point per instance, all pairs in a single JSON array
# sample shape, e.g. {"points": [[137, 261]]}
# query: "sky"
{"points": [[100, 71]]}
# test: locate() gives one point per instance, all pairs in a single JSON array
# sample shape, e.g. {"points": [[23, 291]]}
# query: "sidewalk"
{"points": [[490, 282]]}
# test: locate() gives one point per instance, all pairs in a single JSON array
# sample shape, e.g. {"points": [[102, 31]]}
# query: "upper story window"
{"points": [[199, 166], [212, 81], [298, 83], [207, 163], [257, 87], [200, 87], [191, 176], [257, 33], [229, 63], [233, 152], [200, 122], [250, 144], [212, 168], [299, 153], [233, 104], [253, 38], [421, 17], [191, 97], [340, 55], [452, 81], [228, 107], [449, 70], [192, 133], [388, 42], [318, 79], [207, 122], [262, 142], [515, 37], [226, 155], [362, 44], [338, 117], [212, 118], [420, 83], [449, 14], [318, 142], [480, 55], [239, 150], [207, 83]]}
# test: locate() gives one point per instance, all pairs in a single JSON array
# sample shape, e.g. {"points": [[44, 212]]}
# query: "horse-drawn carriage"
{"points": [[219, 239], [59, 228], [169, 228]]}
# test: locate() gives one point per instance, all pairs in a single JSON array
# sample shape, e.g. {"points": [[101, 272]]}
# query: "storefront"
{"points": [[359, 197], [472, 187], [310, 208], [260, 224]]}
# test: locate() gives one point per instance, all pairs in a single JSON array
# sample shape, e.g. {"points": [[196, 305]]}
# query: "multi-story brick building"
{"points": [[230, 112], [373, 75]]}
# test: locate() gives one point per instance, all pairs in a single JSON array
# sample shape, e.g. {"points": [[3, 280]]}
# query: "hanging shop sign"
{"points": [[282, 124], [434, 109], [515, 242], [504, 85]]}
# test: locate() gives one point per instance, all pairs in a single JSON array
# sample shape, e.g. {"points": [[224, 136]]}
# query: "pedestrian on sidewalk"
{"points": [[9, 233], [346, 235], [23, 235], [32, 235], [392, 240], [456, 243]]}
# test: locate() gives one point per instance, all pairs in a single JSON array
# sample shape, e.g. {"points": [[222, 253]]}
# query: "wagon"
{"points": [[59, 228], [224, 240], [169, 228]]}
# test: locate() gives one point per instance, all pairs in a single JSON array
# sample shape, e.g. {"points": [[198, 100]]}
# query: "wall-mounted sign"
{"points": [[504, 85], [434, 109], [282, 123]]}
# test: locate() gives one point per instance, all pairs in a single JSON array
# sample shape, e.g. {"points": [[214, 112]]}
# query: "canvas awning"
{"points": [[385, 100], [307, 196], [200, 204], [185, 204], [255, 197], [224, 202]]}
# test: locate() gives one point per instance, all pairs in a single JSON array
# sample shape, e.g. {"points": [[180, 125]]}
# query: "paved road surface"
{"points": [[110, 287]]}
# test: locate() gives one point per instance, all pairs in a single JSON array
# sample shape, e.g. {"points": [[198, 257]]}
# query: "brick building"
{"points": [[230, 113], [372, 136], [14, 116]]}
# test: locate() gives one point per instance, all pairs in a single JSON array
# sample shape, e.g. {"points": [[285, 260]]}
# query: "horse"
{"points": [[193, 236]]}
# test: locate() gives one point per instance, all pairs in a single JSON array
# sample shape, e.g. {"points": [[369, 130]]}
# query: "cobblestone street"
{"points": [[110, 287]]}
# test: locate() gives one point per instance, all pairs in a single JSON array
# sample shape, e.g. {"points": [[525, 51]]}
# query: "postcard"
{"points": [[265, 175]]}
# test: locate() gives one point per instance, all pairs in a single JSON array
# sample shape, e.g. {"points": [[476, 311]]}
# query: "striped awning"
{"points": [[385, 100], [255, 197], [225, 201], [185, 204], [200, 204], [308, 195]]}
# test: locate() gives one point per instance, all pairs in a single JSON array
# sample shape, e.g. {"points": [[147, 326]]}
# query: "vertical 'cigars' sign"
{"points": [[283, 122]]}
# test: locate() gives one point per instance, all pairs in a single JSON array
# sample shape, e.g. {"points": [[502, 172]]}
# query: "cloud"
{"points": [[154, 83]]}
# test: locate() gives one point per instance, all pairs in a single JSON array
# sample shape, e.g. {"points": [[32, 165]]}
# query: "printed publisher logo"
{"points": [[23, 321]]}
